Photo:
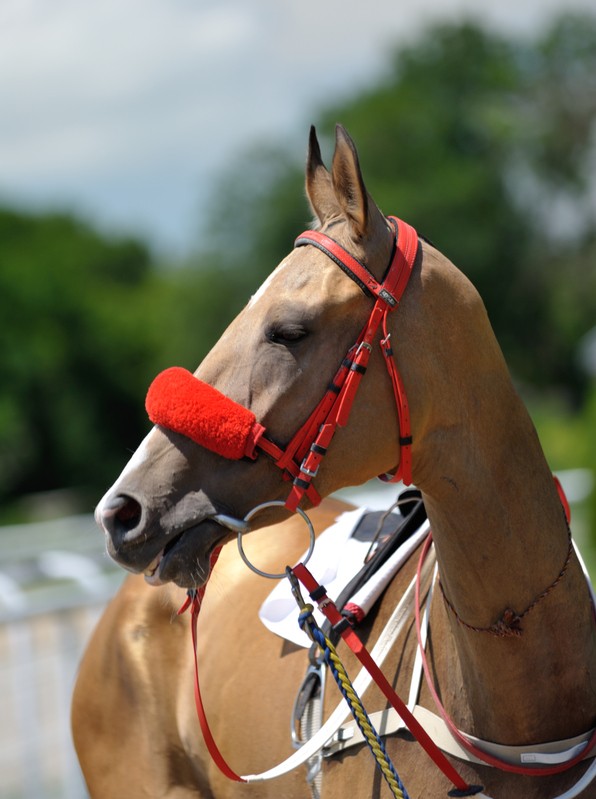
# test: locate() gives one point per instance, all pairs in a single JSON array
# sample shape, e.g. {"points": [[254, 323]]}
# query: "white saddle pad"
{"points": [[337, 558]]}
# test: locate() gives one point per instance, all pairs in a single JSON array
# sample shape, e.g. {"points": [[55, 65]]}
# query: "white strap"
{"points": [[569, 747], [546, 753], [389, 722], [393, 628], [584, 781], [417, 669], [586, 573]]}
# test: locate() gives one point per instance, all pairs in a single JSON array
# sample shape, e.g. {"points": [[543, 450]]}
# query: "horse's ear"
{"points": [[348, 183], [319, 186]]}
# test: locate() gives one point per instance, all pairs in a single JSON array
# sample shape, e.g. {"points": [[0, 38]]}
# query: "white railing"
{"points": [[54, 583]]}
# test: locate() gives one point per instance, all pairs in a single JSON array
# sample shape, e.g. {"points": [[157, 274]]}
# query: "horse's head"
{"points": [[277, 358]]}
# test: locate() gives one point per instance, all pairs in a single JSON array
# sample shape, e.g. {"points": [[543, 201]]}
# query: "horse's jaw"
{"points": [[181, 556], [185, 560]]}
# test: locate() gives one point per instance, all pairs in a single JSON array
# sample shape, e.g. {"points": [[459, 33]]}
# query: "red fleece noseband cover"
{"points": [[181, 402]]}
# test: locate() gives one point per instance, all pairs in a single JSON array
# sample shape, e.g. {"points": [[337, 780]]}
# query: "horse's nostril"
{"points": [[120, 515], [129, 515]]}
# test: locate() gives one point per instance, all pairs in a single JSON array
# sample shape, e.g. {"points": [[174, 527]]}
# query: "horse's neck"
{"points": [[501, 540]]}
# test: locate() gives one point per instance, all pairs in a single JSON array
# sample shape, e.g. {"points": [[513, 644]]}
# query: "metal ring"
{"points": [[249, 516]]}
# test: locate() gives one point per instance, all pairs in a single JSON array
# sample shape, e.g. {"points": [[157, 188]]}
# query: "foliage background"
{"points": [[484, 143]]}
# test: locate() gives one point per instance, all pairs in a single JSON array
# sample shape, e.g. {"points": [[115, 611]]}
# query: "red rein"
{"points": [[181, 402]]}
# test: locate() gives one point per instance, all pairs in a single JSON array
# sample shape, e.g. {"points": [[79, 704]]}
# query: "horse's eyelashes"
{"points": [[287, 335]]}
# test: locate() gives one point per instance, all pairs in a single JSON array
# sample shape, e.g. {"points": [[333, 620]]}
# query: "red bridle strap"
{"points": [[312, 440]]}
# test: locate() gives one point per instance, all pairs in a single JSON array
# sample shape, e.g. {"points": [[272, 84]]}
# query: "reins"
{"points": [[342, 626], [412, 720]]}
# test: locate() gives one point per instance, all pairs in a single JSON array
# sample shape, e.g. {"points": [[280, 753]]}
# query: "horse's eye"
{"points": [[286, 335]]}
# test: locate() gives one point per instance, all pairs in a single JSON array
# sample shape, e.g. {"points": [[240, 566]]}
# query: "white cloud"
{"points": [[126, 109], [92, 82]]}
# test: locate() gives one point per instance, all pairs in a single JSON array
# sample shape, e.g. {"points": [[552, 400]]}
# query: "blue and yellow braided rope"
{"points": [[310, 626]]}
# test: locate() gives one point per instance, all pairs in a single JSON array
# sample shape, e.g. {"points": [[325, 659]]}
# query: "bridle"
{"points": [[173, 391], [342, 391]]}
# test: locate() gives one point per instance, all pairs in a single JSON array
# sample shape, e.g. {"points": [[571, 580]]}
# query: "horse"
{"points": [[512, 638]]}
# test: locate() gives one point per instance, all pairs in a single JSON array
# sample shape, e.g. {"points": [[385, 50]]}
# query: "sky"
{"points": [[125, 112]]}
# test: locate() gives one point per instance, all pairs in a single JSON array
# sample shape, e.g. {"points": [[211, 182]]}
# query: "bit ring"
{"points": [[249, 516]]}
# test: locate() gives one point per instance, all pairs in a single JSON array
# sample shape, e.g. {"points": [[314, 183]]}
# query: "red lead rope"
{"points": [[213, 748], [328, 607], [193, 601]]}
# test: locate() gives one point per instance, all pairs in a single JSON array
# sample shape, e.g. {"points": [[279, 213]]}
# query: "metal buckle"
{"points": [[305, 470]]}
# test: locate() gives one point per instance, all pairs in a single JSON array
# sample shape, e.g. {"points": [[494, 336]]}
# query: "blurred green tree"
{"points": [[75, 347]]}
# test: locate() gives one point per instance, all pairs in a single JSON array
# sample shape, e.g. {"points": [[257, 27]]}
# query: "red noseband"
{"points": [[181, 402]]}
